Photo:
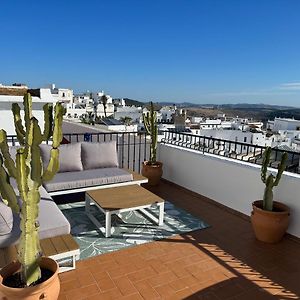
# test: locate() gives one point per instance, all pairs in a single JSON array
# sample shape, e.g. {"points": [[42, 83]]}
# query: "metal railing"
{"points": [[133, 148], [232, 149]]}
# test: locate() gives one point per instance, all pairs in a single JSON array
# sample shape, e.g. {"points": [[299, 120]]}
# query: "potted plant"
{"points": [[152, 169], [32, 276], [269, 218]]}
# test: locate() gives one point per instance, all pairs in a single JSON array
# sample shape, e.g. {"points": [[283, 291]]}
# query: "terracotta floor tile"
{"points": [[113, 294], [83, 292], [125, 286], [62, 296], [146, 291], [178, 285], [165, 291], [142, 274], [66, 286], [105, 283], [161, 278]]}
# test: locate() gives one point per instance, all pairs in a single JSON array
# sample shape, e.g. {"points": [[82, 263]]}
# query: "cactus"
{"points": [[29, 174], [269, 179], [151, 129]]}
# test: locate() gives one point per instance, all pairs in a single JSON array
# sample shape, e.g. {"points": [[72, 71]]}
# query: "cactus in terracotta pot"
{"points": [[269, 179], [29, 174]]}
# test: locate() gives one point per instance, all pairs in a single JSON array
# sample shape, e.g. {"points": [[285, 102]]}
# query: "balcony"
{"points": [[224, 261]]}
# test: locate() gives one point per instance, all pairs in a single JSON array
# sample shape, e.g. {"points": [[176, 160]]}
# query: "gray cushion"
{"points": [[99, 155], [6, 219], [52, 223], [87, 178], [69, 157]]}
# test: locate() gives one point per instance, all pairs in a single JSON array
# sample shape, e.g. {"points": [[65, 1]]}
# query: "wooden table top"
{"points": [[123, 197]]}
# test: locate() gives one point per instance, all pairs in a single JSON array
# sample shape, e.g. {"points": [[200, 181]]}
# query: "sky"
{"points": [[201, 51]]}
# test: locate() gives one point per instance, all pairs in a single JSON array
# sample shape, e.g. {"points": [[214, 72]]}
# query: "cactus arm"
{"points": [[34, 140], [27, 110], [265, 164], [7, 192], [57, 130], [146, 123], [268, 194], [53, 165], [8, 161], [18, 123], [29, 248], [48, 121], [281, 168]]}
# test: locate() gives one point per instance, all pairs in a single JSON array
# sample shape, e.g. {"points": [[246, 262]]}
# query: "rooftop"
{"points": [[224, 261]]}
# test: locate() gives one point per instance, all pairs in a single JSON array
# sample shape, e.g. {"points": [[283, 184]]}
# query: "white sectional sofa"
{"points": [[83, 166]]}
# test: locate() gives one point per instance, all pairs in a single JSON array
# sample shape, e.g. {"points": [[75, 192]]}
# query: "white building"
{"points": [[61, 94], [283, 124], [13, 94], [133, 112]]}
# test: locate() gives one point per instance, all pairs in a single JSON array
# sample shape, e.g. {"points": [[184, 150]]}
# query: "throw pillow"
{"points": [[99, 155], [69, 157]]}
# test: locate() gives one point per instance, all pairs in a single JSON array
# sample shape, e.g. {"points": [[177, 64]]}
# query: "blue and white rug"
{"points": [[132, 229]]}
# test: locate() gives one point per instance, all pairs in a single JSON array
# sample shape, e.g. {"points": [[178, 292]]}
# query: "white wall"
{"points": [[230, 182]]}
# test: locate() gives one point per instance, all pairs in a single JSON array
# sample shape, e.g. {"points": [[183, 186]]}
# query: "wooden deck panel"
{"points": [[50, 247]]}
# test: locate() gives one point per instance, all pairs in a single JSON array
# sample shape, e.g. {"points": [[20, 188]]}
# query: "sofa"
{"points": [[83, 166]]}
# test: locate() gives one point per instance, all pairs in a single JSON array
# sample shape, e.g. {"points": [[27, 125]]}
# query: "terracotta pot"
{"points": [[270, 226], [152, 172], [48, 289]]}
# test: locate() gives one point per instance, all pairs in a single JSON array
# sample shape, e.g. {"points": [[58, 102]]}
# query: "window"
{"points": [[63, 95], [245, 139]]}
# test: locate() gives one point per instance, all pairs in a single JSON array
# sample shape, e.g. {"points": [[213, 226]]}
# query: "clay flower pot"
{"points": [[48, 289], [153, 172], [270, 226]]}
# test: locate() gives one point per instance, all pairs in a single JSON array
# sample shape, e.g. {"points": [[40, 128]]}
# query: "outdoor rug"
{"points": [[132, 229]]}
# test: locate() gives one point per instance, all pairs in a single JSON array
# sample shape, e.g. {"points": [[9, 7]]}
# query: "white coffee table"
{"points": [[121, 199]]}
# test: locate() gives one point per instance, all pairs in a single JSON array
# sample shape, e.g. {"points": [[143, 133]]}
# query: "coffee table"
{"points": [[121, 199]]}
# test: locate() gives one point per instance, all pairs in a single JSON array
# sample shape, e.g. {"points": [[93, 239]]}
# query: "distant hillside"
{"points": [[261, 112]]}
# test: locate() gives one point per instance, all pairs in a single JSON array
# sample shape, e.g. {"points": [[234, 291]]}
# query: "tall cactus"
{"points": [[269, 179], [150, 124], [29, 174]]}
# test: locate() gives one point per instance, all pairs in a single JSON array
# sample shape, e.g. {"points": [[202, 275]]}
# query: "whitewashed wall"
{"points": [[232, 183]]}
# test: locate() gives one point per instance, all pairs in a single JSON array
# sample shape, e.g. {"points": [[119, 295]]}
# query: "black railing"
{"points": [[232, 149], [133, 148]]}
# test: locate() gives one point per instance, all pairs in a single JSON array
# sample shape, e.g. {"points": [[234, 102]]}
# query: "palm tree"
{"points": [[104, 99]]}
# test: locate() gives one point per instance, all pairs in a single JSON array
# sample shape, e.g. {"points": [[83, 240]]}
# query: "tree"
{"points": [[126, 120], [104, 99]]}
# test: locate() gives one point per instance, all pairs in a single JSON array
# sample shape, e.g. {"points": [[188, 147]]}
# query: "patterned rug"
{"points": [[131, 229]]}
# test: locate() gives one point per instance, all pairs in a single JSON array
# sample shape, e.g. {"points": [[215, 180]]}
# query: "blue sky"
{"points": [[191, 50]]}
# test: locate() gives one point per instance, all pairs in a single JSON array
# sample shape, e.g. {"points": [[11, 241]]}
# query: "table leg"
{"points": [[87, 203], [107, 224], [161, 214]]}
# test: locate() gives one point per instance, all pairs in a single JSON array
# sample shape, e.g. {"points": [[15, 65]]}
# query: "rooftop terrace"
{"points": [[224, 261]]}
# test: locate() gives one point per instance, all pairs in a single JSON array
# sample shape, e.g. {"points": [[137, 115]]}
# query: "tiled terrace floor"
{"points": [[221, 262]]}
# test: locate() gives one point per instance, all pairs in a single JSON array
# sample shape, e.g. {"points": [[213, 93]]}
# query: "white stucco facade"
{"points": [[6, 115]]}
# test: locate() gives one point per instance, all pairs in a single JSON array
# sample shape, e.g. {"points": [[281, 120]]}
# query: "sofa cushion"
{"points": [[87, 178], [99, 155], [6, 219], [69, 157], [52, 223]]}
